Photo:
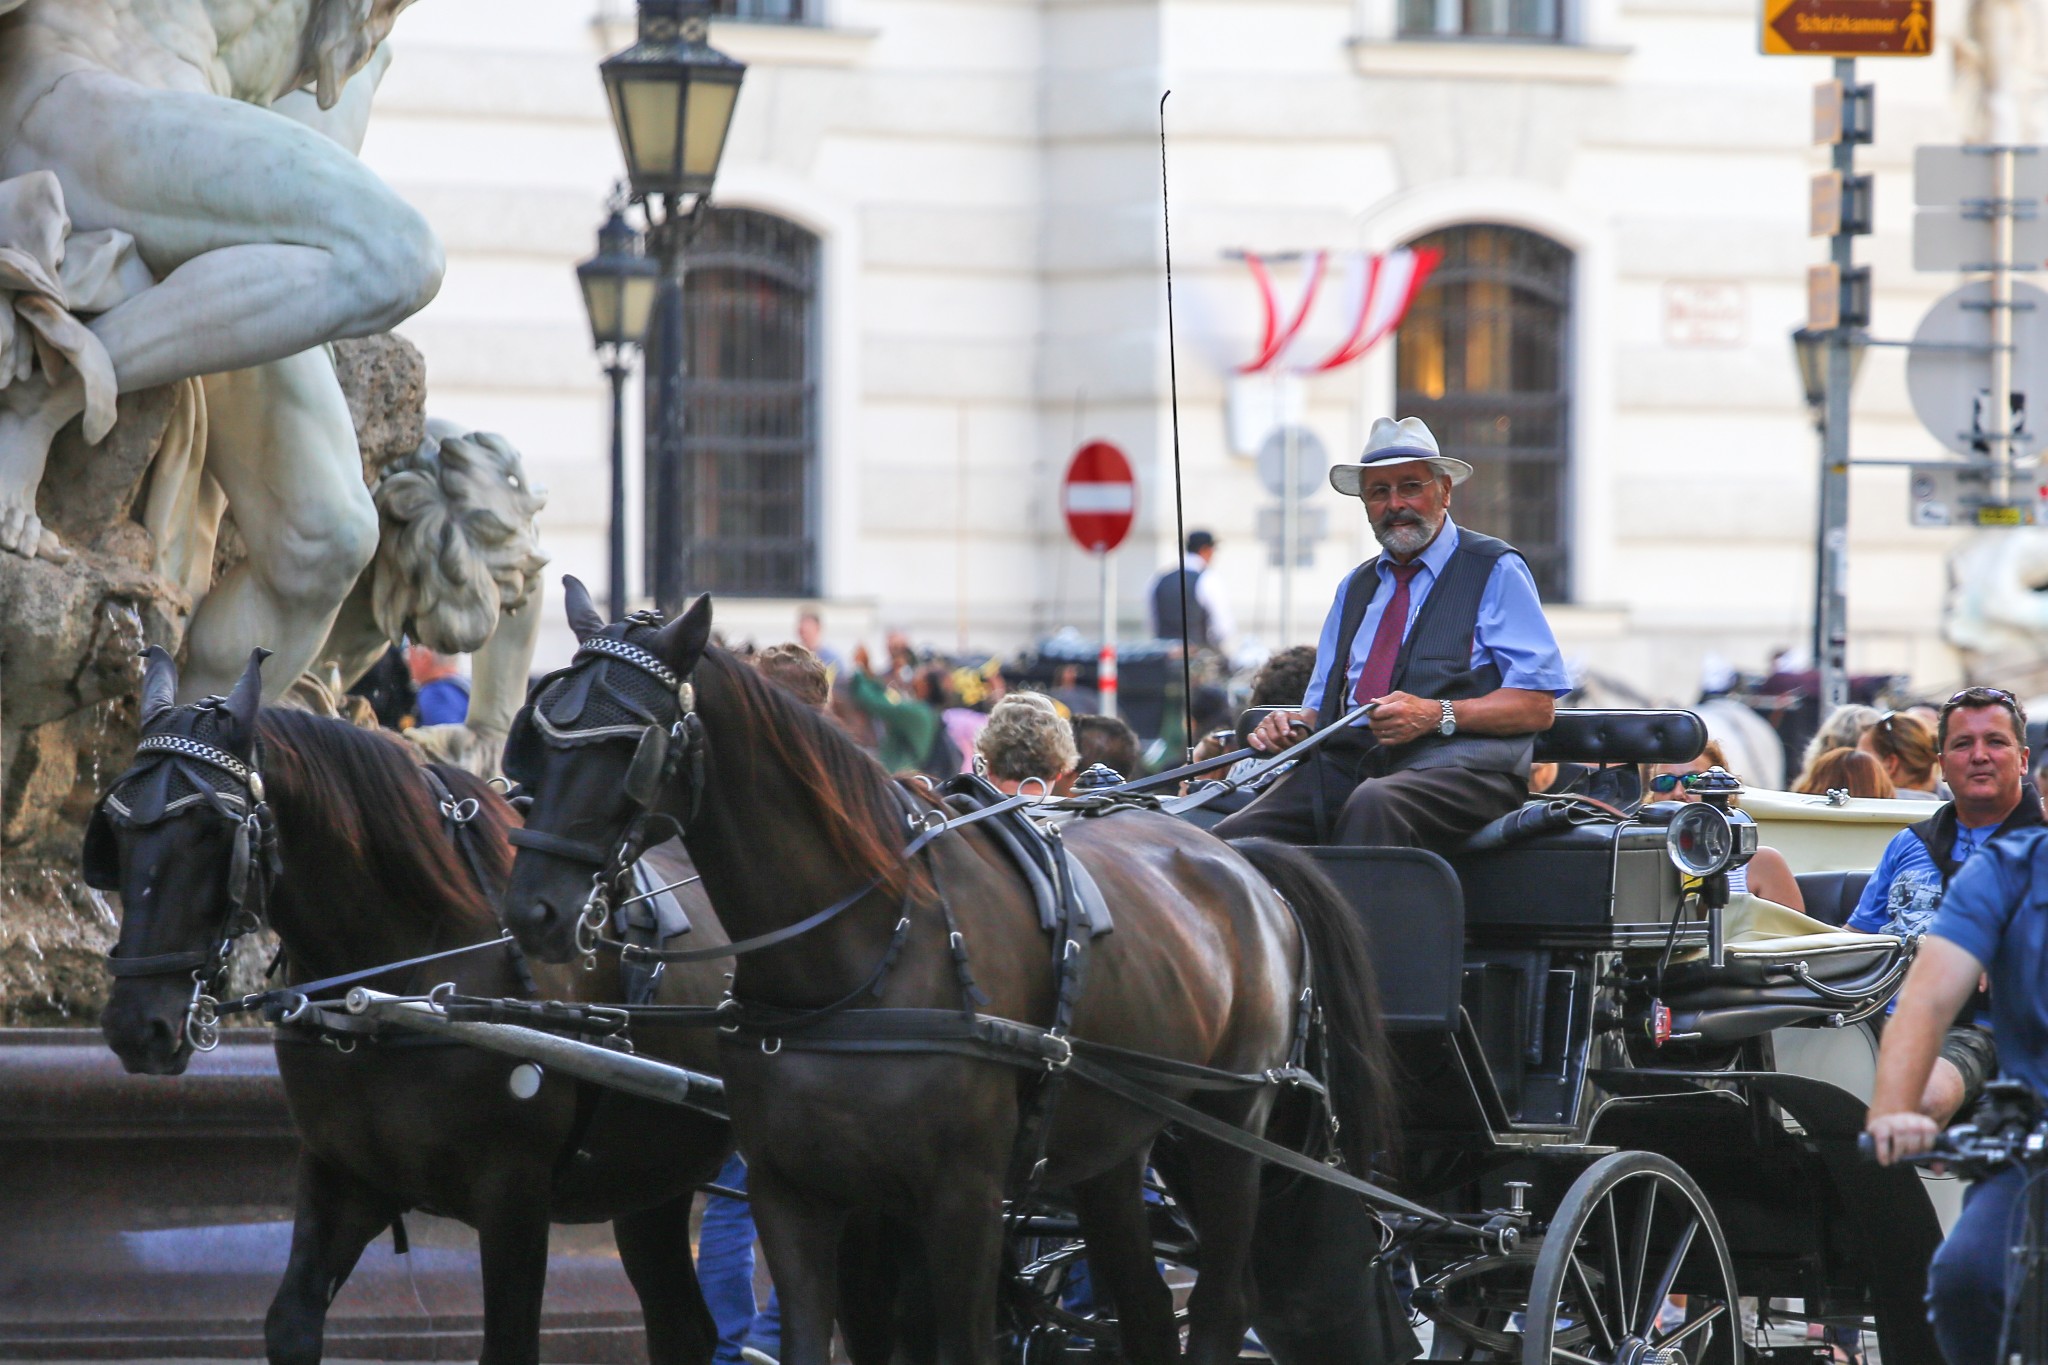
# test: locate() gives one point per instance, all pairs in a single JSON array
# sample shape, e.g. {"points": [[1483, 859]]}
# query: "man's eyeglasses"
{"points": [[1407, 490], [1985, 694]]}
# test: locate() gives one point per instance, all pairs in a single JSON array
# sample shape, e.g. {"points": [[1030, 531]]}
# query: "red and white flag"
{"points": [[1326, 329]]}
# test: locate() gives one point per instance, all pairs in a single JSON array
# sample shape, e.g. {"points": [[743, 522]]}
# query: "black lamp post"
{"points": [[672, 99], [618, 292]]}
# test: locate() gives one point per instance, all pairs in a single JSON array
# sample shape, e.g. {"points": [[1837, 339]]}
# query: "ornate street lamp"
{"points": [[1810, 350], [672, 99], [619, 285]]}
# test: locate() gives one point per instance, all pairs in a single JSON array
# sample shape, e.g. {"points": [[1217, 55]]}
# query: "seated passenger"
{"points": [[1444, 633], [1105, 740], [1767, 874], [1981, 737], [1842, 728], [1280, 681], [1905, 745], [1846, 770], [1026, 738]]}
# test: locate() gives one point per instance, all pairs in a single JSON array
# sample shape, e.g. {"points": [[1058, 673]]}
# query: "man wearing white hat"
{"points": [[1445, 634]]}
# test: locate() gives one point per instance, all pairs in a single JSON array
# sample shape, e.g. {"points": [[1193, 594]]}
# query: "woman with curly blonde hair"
{"points": [[1027, 738]]}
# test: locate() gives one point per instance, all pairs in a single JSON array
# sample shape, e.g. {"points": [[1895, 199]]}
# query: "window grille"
{"points": [[743, 502], [1484, 357], [1506, 19]]}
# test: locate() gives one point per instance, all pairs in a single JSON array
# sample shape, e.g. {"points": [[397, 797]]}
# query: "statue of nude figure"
{"points": [[267, 238]]}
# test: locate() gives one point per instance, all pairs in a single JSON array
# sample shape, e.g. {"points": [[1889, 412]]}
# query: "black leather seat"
{"points": [[1831, 896], [1599, 737]]}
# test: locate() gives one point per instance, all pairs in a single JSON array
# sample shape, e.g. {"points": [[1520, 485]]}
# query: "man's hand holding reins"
{"points": [[1399, 717], [1280, 729]]}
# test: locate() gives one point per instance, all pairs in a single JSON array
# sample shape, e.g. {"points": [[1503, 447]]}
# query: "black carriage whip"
{"points": [[1180, 524]]}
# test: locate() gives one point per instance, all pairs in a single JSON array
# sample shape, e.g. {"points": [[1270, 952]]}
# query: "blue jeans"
{"points": [[1966, 1284], [725, 1270]]}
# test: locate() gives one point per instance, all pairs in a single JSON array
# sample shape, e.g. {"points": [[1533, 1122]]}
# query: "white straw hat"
{"points": [[1391, 442]]}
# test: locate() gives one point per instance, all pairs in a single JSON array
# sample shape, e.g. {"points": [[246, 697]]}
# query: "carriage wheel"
{"points": [[1476, 1307], [1632, 1231]]}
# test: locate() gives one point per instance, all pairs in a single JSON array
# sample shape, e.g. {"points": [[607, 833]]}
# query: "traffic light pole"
{"points": [[1831, 608]]}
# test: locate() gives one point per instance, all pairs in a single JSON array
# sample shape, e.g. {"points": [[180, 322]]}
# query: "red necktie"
{"points": [[1377, 677]]}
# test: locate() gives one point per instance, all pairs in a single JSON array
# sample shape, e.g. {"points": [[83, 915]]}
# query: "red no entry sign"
{"points": [[1099, 497]]}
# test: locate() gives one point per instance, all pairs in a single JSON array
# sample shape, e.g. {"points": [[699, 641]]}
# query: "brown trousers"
{"points": [[1331, 798]]}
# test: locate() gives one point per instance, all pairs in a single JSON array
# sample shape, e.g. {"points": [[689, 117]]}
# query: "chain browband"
{"points": [[185, 747], [631, 654]]}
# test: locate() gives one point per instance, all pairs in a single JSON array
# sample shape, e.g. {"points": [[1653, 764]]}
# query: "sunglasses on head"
{"points": [[1984, 694]]}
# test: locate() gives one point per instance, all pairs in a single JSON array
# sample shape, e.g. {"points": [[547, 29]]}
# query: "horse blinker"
{"points": [[649, 769]]}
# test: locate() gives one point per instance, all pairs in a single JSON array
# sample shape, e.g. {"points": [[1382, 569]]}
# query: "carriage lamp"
{"points": [[672, 97], [1704, 841]]}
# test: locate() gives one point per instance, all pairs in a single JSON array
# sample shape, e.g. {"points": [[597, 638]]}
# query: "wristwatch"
{"points": [[1448, 726]]}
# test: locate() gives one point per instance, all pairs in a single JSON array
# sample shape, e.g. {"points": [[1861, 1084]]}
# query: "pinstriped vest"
{"points": [[1435, 662]]}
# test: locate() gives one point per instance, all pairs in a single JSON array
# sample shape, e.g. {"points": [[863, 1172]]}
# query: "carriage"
{"points": [[1628, 1103], [1569, 1042], [1629, 1114]]}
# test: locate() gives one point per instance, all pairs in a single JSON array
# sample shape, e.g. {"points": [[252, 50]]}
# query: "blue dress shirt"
{"points": [[1511, 632]]}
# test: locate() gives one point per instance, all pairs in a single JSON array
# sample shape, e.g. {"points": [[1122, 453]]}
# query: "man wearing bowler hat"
{"points": [[1444, 633]]}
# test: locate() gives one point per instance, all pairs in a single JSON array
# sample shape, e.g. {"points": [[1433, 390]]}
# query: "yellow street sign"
{"points": [[1848, 28]]}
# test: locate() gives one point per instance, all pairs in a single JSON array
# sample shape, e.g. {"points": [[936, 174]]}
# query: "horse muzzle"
{"points": [[147, 1033]]}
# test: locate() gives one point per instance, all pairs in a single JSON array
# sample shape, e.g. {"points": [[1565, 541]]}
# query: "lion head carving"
{"points": [[458, 543]]}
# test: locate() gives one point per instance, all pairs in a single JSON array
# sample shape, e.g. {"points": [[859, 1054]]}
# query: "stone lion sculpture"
{"points": [[458, 569]]}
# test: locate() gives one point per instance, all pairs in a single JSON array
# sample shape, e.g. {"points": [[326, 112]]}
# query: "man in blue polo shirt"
{"points": [[1993, 920], [1445, 633], [1981, 739]]}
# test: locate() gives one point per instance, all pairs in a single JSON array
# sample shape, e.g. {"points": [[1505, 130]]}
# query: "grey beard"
{"points": [[1404, 539]]}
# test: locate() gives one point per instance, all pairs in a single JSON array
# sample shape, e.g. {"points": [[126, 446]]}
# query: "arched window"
{"points": [[1483, 357], [739, 514]]}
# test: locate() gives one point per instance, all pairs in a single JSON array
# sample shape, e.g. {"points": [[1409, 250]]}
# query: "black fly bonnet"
{"points": [[184, 766], [613, 689]]}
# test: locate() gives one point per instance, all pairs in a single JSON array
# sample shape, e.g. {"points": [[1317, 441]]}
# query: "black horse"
{"points": [[651, 727], [337, 836]]}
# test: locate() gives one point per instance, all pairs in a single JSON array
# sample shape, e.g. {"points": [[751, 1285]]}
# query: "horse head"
{"points": [[182, 835], [596, 748]]}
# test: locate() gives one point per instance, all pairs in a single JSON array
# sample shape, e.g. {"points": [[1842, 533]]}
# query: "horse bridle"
{"points": [[253, 866], [661, 751]]}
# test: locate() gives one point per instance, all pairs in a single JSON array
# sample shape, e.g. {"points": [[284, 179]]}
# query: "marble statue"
{"points": [[225, 232], [457, 569], [2001, 70], [1997, 609]]}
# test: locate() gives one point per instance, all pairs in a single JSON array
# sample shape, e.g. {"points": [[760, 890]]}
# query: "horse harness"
{"points": [[664, 747], [173, 774]]}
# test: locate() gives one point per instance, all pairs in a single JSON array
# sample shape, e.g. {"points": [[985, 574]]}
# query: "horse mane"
{"points": [[365, 790], [849, 791]]}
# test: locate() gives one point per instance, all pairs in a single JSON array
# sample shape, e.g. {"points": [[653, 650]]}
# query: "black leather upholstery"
{"points": [[1831, 896], [1622, 737], [1414, 913]]}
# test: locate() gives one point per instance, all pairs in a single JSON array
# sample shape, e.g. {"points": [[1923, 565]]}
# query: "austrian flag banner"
{"points": [[1328, 327]]}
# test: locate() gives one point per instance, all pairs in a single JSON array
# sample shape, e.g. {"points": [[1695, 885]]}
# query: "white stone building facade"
{"points": [[982, 180]]}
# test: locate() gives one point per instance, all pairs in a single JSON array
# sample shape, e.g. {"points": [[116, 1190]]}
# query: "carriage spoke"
{"points": [[1594, 1316], [1616, 1285], [1639, 1252], [1698, 1324], [1655, 1306], [1571, 1357]]}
